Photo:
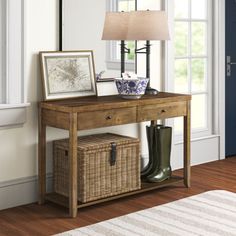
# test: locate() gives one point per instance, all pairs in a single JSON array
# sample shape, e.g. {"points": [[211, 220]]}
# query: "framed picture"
{"points": [[68, 74]]}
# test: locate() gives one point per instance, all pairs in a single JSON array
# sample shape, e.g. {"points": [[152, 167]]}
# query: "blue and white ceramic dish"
{"points": [[131, 89]]}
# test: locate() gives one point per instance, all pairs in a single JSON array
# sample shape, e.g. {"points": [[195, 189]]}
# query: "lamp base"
{"points": [[151, 91]]}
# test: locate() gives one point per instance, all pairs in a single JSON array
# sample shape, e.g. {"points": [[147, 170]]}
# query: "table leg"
{"points": [[187, 150], [73, 165], [41, 159]]}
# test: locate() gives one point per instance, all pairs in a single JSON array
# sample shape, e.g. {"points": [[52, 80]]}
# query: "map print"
{"points": [[68, 74]]}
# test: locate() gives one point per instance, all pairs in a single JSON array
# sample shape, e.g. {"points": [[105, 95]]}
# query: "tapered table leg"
{"points": [[187, 149], [41, 159], [73, 165]]}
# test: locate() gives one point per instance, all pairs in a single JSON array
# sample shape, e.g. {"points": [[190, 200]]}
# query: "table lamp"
{"points": [[136, 25]]}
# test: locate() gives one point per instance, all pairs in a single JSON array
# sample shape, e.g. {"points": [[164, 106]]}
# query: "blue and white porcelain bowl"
{"points": [[131, 89]]}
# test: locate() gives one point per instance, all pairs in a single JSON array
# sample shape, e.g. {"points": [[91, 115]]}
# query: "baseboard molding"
{"points": [[202, 151], [144, 160], [20, 191]]}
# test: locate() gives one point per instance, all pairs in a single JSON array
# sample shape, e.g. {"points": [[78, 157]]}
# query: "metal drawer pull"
{"points": [[108, 117]]}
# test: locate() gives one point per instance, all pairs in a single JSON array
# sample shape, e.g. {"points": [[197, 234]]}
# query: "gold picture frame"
{"points": [[68, 74]]}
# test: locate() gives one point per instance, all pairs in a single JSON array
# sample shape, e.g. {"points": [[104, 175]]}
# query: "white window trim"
{"points": [[169, 74], [2, 49], [13, 106], [219, 73]]}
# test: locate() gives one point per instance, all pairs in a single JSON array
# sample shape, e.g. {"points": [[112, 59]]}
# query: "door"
{"points": [[230, 92]]}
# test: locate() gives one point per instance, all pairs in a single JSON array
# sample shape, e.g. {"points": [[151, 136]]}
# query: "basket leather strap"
{"points": [[113, 154]]}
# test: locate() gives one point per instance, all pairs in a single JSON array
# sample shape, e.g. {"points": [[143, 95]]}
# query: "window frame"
{"points": [[2, 50], [13, 103], [169, 67]]}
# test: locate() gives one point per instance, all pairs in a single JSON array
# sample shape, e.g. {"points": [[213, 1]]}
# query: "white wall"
{"points": [[83, 27], [18, 146]]}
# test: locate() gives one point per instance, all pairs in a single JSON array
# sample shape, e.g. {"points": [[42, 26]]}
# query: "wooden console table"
{"points": [[94, 112]]}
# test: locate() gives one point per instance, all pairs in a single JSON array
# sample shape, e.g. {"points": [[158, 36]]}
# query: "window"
{"points": [[192, 56], [126, 5], [12, 106]]}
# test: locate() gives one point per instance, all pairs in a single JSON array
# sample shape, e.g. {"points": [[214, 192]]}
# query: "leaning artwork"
{"points": [[68, 74]]}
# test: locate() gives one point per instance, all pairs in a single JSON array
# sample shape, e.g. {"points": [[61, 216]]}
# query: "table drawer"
{"points": [[157, 112], [96, 119]]}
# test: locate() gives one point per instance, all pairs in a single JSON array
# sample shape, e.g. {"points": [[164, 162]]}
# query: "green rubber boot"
{"points": [[150, 131], [163, 141], [153, 161]]}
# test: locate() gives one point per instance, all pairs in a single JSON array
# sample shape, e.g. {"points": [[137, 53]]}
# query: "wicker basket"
{"points": [[98, 177]]}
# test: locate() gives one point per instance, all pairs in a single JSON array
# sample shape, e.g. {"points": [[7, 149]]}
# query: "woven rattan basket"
{"points": [[108, 164]]}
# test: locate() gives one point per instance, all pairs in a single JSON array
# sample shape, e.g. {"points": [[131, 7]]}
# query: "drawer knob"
{"points": [[108, 117], [163, 111]]}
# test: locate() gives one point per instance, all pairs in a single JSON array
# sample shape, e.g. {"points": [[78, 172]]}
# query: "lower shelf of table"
{"points": [[64, 201]]}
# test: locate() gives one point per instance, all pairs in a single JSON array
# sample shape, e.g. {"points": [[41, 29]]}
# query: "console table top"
{"points": [[108, 102]]}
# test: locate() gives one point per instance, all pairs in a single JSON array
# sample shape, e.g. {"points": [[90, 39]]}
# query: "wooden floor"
{"points": [[50, 219]]}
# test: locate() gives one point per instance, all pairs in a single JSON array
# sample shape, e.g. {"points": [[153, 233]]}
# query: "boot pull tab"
{"points": [[113, 154]]}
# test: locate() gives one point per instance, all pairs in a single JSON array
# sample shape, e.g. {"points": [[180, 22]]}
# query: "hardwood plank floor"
{"points": [[35, 220]]}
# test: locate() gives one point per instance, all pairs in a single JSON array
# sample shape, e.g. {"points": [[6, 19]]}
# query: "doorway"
{"points": [[230, 83]]}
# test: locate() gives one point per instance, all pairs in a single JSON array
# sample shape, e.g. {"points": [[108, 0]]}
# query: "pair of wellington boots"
{"points": [[158, 168]]}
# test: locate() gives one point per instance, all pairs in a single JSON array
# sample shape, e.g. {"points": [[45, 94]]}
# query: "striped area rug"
{"points": [[211, 213]]}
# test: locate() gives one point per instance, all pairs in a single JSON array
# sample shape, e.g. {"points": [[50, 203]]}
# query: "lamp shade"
{"points": [[136, 25], [148, 25], [115, 26]]}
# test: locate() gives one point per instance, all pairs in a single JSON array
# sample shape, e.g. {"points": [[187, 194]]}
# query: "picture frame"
{"points": [[68, 74]]}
